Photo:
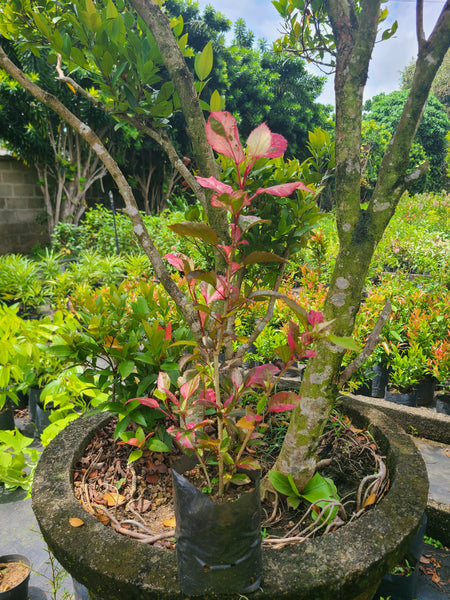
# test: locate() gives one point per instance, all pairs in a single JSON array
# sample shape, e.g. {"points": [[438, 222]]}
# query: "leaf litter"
{"points": [[137, 499]]}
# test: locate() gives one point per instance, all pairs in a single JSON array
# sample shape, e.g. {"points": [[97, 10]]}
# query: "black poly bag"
{"points": [[218, 545]]}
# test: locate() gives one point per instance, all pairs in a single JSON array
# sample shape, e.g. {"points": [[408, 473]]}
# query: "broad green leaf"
{"points": [[280, 482], [156, 445], [107, 63], [216, 101], [196, 230], [240, 479], [347, 343], [204, 63], [135, 455], [261, 257]]}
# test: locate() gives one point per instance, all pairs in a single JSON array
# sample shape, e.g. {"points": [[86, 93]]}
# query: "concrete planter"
{"points": [[345, 565]]}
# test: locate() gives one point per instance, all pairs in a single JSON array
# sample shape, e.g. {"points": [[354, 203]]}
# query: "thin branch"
{"points": [[369, 347], [419, 24]]}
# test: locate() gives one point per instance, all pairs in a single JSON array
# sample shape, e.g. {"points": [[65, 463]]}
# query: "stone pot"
{"points": [[347, 564]]}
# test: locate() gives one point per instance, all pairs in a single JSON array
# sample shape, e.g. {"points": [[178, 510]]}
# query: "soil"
{"points": [[137, 499], [11, 574]]}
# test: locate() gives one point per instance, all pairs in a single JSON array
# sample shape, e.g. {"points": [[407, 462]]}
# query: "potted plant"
{"points": [[210, 417], [14, 577], [408, 367], [440, 367]]}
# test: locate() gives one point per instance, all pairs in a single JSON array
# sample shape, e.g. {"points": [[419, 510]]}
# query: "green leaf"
{"points": [[107, 64], [347, 343], [196, 230], [135, 455], [204, 62], [126, 367], [240, 479], [280, 482], [216, 101], [261, 257], [156, 445], [294, 501]]}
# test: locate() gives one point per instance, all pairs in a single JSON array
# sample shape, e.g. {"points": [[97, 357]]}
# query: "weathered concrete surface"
{"points": [[418, 421], [432, 437], [345, 565]]}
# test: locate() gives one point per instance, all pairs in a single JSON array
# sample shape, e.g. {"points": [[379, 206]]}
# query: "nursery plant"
{"points": [[213, 365], [349, 31]]}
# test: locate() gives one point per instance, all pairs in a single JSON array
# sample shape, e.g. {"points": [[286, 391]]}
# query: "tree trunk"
{"points": [[359, 229]]}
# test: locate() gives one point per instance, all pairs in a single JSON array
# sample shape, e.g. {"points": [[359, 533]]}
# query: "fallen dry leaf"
{"points": [[141, 505], [170, 522], [76, 522], [435, 578], [425, 560], [113, 499], [370, 500], [104, 520], [152, 477]]}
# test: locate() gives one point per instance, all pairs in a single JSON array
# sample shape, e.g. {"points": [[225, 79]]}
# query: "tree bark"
{"points": [[359, 229]]}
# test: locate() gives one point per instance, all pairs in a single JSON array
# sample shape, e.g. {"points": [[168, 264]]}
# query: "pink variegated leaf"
{"points": [[236, 378], [189, 387], [283, 189], [279, 402], [249, 463], [177, 260], [258, 375], [213, 184], [223, 135], [151, 402], [262, 142], [163, 382], [207, 397]]}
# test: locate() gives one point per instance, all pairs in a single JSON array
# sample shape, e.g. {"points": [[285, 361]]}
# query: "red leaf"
{"points": [[151, 402], [213, 184], [277, 402], [258, 375], [223, 135], [284, 189]]}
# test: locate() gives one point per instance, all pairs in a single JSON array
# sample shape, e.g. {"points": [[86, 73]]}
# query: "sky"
{"points": [[389, 57]]}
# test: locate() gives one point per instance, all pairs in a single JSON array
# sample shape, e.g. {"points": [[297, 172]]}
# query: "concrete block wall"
{"points": [[21, 202]]}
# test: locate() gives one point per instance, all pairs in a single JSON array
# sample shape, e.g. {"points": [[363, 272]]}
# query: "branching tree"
{"points": [[349, 30]]}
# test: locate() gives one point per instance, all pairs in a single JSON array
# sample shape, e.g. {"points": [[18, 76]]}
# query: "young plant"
{"points": [[16, 460], [319, 491], [221, 432]]}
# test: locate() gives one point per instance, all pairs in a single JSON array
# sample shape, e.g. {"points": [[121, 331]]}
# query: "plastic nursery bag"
{"points": [[218, 545]]}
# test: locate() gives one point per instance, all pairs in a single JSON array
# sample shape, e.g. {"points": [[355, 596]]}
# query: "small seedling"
{"points": [[432, 542]]}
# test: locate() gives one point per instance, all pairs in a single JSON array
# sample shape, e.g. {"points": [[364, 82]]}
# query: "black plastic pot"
{"points": [[20, 591], [406, 399], [34, 395], [400, 587], [7, 418], [218, 545], [424, 392], [443, 404], [42, 418], [379, 381]]}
